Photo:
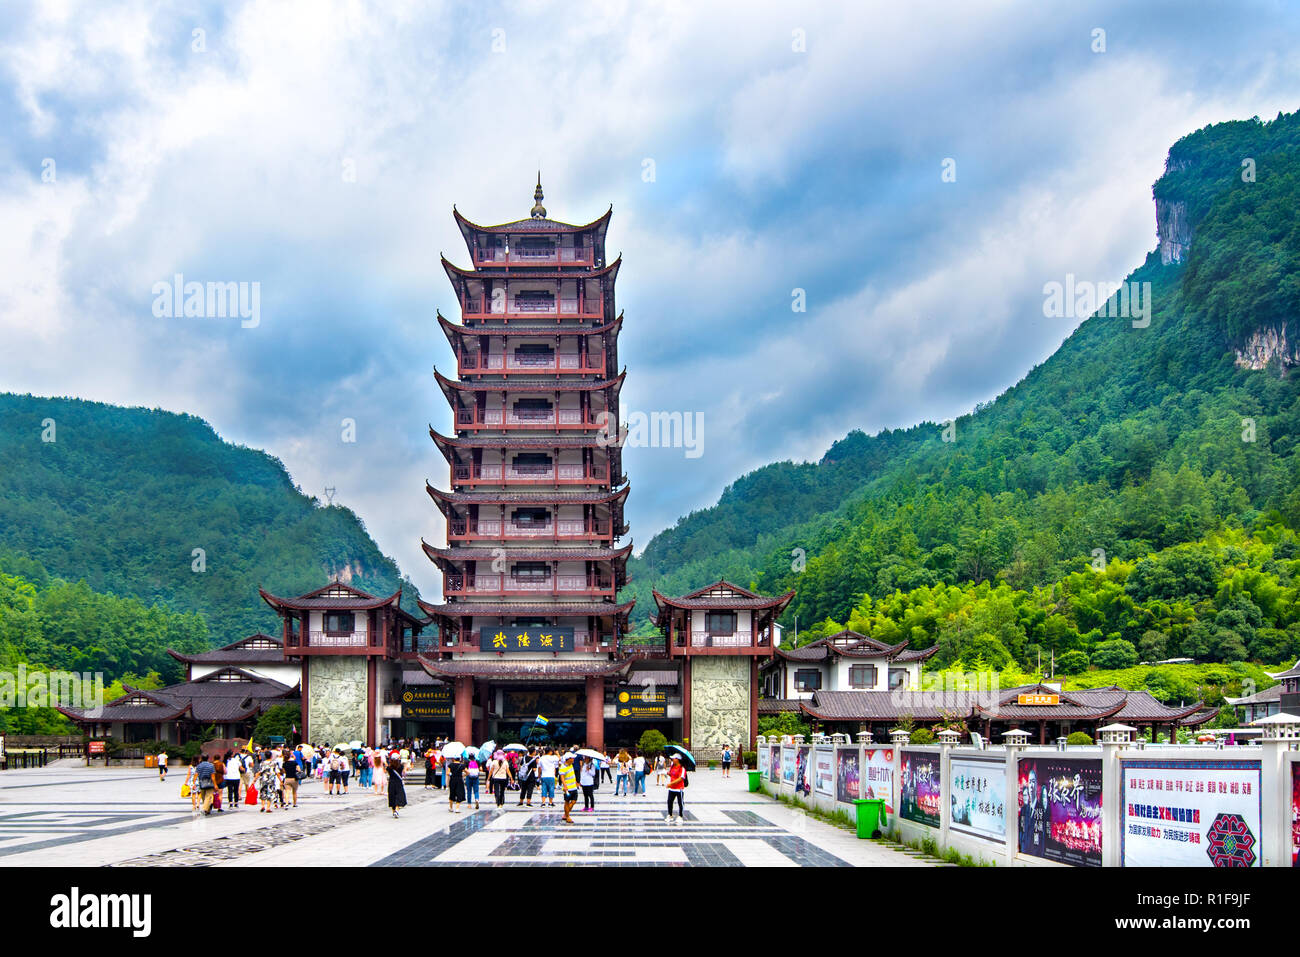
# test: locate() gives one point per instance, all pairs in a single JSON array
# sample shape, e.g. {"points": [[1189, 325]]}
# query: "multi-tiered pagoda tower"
{"points": [[532, 567]]}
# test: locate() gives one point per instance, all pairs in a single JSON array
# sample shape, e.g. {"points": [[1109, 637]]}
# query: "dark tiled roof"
{"points": [[740, 598], [237, 652], [537, 497], [208, 699], [551, 328], [889, 705], [357, 601], [1292, 672], [778, 705], [458, 609], [1260, 697], [525, 553], [530, 384], [531, 225]]}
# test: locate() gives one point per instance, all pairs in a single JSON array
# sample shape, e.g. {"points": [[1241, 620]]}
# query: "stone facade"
{"points": [[336, 699], [719, 703]]}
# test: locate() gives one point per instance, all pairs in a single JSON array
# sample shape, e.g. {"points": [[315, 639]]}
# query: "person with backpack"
{"points": [[204, 772], [471, 778], [677, 782], [726, 761], [234, 775], [527, 778], [569, 784], [499, 777], [162, 765]]}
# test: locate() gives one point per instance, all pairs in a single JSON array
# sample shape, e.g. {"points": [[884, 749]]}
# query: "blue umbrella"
{"points": [[486, 752], [688, 759]]}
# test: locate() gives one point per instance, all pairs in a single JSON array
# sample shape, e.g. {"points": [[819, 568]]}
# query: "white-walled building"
{"points": [[846, 661]]}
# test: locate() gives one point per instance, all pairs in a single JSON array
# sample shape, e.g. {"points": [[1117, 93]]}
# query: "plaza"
{"points": [[75, 816]]}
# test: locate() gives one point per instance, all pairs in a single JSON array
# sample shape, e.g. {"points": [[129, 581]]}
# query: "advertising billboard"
{"points": [[774, 764], [802, 771], [824, 772], [1295, 814], [878, 776], [979, 798], [764, 761], [1190, 814], [1060, 810], [846, 775], [787, 766], [919, 799]]}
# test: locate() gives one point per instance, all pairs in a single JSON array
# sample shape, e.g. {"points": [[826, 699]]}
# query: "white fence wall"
{"points": [[982, 788]]}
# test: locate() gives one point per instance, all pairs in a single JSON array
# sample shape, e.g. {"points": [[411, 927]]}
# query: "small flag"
{"points": [[542, 721]]}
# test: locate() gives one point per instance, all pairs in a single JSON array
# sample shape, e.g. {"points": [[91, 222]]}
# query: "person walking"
{"points": [[621, 764], [676, 785], [726, 761], [638, 774], [430, 759], [381, 771], [527, 779], [192, 783], [471, 779], [546, 767], [569, 782], [162, 765], [345, 769], [587, 778], [204, 772], [267, 782], [455, 783], [291, 773], [218, 781], [499, 777], [605, 767], [660, 768], [234, 776], [396, 788]]}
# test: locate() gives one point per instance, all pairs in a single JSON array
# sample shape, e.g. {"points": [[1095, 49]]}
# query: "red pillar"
{"points": [[464, 712], [372, 691], [686, 699], [596, 713], [753, 704]]}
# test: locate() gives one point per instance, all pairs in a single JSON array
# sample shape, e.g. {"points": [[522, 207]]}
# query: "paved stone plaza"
{"points": [[126, 817]]}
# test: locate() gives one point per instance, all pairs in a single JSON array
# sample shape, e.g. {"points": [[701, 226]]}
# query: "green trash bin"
{"points": [[754, 778], [871, 817]]}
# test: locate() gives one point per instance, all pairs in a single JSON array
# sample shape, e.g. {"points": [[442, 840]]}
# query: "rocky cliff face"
{"points": [[1267, 345], [1173, 230]]}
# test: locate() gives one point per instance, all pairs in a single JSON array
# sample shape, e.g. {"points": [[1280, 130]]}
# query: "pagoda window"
{"points": [[808, 679], [535, 300], [532, 463], [720, 622], [862, 676], [533, 408], [530, 516], [339, 622], [897, 678], [535, 353], [531, 571]]}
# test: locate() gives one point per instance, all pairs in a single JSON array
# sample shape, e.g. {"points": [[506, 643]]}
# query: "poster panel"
{"points": [[824, 772], [979, 798], [787, 766], [846, 775], [1060, 810], [921, 788], [878, 776], [1295, 814], [802, 770], [1191, 814], [764, 761], [774, 764]]}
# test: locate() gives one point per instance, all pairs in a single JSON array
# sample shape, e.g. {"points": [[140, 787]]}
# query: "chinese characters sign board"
{"points": [[426, 701], [1038, 699], [641, 704], [527, 640]]}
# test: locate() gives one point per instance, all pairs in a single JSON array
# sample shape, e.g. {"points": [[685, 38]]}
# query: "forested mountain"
{"points": [[121, 498], [1126, 441]]}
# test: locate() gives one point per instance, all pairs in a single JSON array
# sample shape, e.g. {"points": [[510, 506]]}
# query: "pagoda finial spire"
{"points": [[539, 211]]}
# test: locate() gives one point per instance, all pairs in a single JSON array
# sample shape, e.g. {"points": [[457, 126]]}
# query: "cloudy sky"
{"points": [[749, 150]]}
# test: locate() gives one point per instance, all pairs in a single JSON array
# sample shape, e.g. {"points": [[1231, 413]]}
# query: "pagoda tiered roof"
{"points": [[534, 497], [524, 669], [226, 695], [568, 609], [458, 274], [527, 384], [539, 224], [528, 553], [723, 596], [354, 600], [456, 330], [258, 648]]}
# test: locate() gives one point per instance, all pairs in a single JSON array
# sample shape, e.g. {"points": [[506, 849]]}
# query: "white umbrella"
{"points": [[589, 753], [515, 747], [355, 745], [453, 749]]}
